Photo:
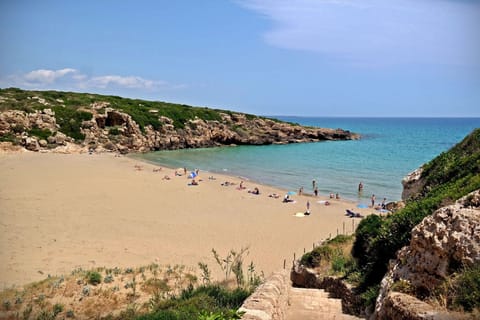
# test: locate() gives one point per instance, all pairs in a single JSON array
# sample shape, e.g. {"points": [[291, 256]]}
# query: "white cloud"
{"points": [[378, 31], [69, 78], [125, 82], [43, 76]]}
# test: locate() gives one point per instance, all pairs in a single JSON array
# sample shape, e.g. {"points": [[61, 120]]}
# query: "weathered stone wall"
{"points": [[269, 301]]}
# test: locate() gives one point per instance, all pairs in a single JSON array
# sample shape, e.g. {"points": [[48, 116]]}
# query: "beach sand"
{"points": [[63, 211]]}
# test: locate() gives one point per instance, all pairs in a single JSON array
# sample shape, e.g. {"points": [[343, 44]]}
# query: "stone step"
{"points": [[314, 304]]}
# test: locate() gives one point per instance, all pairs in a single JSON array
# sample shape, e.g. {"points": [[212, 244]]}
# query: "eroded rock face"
{"points": [[440, 244], [112, 130], [412, 184], [303, 277]]}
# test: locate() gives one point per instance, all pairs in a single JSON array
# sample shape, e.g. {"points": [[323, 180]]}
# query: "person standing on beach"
{"points": [[373, 200], [308, 208], [300, 191], [360, 187], [314, 184], [315, 191]]}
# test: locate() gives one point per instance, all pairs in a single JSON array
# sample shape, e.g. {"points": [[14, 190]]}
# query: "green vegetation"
{"points": [[40, 133], [71, 108], [465, 291], [211, 300], [70, 121], [94, 278], [333, 256]]}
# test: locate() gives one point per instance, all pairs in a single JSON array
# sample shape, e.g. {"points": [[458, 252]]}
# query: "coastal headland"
{"points": [[47, 120], [63, 211]]}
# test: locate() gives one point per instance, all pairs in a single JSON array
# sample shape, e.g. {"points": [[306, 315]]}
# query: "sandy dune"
{"points": [[62, 211]]}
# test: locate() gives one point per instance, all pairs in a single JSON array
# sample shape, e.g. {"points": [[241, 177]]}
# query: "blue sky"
{"points": [[270, 57]]}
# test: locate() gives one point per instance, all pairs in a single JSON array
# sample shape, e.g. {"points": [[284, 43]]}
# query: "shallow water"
{"points": [[390, 148]]}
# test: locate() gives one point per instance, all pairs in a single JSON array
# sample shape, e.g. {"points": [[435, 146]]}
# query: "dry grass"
{"points": [[125, 287]]}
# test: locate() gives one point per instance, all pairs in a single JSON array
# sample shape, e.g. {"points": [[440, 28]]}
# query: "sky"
{"points": [[357, 58]]}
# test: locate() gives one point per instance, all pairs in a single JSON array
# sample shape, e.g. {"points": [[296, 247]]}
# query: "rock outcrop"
{"points": [[440, 244], [412, 184], [113, 130]]}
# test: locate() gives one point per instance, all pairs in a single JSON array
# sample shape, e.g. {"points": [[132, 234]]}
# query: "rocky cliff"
{"points": [[441, 245], [40, 122]]}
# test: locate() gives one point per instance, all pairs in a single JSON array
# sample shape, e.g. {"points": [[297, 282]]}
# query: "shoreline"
{"points": [[63, 211]]}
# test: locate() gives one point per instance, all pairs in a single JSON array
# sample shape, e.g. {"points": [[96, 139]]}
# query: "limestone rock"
{"points": [[303, 277], [114, 130], [440, 244], [31, 143], [412, 184]]}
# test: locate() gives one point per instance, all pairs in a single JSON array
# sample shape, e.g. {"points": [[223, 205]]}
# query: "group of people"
{"points": [[382, 205]]}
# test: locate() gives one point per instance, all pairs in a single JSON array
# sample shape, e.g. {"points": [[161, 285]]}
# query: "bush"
{"points": [[466, 289], [314, 258], [40, 133], [114, 131], [94, 278], [208, 300], [70, 121]]}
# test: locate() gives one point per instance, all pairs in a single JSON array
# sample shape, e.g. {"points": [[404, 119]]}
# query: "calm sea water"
{"points": [[390, 148]]}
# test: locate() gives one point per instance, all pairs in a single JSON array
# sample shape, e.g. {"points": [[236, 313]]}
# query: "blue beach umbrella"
{"points": [[362, 205], [291, 193]]}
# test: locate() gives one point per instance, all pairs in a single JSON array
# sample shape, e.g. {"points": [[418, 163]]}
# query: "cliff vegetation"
{"points": [[46, 120]]}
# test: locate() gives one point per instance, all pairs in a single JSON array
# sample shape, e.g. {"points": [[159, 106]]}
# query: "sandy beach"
{"points": [[63, 211]]}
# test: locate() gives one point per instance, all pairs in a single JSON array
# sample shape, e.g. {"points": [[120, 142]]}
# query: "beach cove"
{"points": [[59, 212]]}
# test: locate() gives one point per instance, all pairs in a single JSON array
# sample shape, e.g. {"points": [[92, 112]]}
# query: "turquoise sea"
{"points": [[389, 149]]}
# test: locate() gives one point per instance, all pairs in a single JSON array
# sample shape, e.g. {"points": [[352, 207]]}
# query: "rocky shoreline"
{"points": [[112, 130]]}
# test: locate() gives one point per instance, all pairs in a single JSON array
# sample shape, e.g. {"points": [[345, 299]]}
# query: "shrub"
{"points": [[70, 121], [94, 278], [40, 133], [314, 258], [114, 131], [466, 289], [342, 264]]}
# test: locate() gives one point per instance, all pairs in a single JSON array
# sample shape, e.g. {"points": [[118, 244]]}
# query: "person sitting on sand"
{"points": [[241, 186], [286, 198], [274, 195], [255, 191], [194, 182], [332, 196], [166, 177], [226, 184]]}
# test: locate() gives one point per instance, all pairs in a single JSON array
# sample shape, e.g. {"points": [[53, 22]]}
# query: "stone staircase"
{"points": [[314, 304]]}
